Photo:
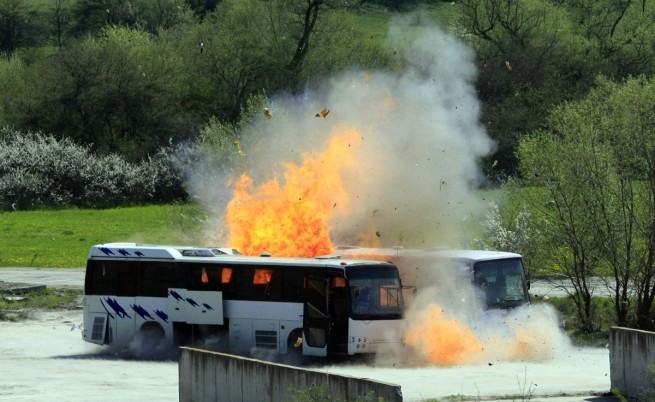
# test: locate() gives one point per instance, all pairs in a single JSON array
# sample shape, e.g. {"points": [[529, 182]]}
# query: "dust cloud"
{"points": [[448, 325]]}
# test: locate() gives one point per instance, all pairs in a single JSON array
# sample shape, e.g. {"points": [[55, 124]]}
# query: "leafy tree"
{"points": [[597, 164], [550, 163], [119, 92], [92, 16], [14, 84], [155, 15], [16, 23], [621, 32], [59, 16], [202, 7], [531, 58], [248, 46]]}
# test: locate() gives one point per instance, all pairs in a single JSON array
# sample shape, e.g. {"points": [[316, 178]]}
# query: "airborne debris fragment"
{"points": [[323, 113], [239, 150]]}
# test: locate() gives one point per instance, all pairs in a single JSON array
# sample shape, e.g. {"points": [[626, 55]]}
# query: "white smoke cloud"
{"points": [[417, 165]]}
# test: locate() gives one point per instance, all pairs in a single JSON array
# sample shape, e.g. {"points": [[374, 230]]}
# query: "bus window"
{"points": [[389, 296], [100, 279], [375, 293], [291, 285], [338, 282], [128, 278], [502, 282], [226, 275], [157, 278], [262, 276]]}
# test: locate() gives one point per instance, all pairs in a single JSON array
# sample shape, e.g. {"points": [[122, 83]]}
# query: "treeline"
{"points": [[131, 76]]}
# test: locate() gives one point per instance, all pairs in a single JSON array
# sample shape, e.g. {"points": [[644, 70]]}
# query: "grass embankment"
{"points": [[62, 238]]}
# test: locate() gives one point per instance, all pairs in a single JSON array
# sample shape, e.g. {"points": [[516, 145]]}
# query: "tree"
{"points": [[549, 162], [119, 93], [60, 17], [596, 161], [531, 58], [621, 33], [14, 24], [248, 46]]}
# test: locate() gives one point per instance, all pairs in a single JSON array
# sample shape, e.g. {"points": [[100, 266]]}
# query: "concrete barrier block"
{"points": [[632, 358], [213, 376]]}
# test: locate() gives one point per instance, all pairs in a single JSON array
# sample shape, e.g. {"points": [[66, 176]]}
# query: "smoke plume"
{"points": [[415, 168]]}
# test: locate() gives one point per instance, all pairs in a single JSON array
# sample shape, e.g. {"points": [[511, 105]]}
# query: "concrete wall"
{"points": [[212, 376], [632, 354]]}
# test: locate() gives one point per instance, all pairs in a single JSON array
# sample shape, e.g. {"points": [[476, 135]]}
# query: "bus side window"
{"points": [[242, 279], [102, 279], [266, 284], [128, 278], [292, 284], [157, 278], [214, 278], [194, 277]]}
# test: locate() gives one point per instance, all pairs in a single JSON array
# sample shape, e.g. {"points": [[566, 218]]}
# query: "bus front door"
{"points": [[315, 316]]}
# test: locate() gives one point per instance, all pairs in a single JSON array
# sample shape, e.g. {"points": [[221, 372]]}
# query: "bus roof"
{"points": [[214, 254], [468, 255]]}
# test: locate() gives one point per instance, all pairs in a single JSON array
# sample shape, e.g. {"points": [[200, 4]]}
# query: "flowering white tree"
{"points": [[514, 234]]}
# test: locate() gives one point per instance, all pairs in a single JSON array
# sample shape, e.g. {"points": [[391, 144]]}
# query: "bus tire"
{"points": [[149, 342]]}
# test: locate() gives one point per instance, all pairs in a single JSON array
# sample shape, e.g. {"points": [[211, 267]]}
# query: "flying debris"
{"points": [[493, 165], [508, 66], [323, 113], [267, 113], [238, 145]]}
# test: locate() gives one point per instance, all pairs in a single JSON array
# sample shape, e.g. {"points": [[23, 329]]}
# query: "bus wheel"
{"points": [[149, 342]]}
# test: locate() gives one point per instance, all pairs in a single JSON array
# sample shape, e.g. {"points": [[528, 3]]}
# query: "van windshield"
{"points": [[502, 282], [375, 293]]}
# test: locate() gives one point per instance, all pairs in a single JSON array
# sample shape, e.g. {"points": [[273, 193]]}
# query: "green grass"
{"points": [[62, 238], [46, 299]]}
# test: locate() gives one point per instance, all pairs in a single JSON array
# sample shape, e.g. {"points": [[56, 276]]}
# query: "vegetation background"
{"points": [[123, 90]]}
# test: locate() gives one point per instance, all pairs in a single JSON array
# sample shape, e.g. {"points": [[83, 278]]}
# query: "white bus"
{"points": [[165, 295], [499, 276]]}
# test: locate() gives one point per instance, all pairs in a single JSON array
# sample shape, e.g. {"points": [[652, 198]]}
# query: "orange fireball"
{"points": [[291, 217]]}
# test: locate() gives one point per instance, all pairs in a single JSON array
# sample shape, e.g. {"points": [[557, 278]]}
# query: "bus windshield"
{"points": [[502, 282], [375, 293]]}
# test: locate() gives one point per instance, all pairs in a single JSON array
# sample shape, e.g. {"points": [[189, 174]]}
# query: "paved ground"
{"points": [[59, 366]]}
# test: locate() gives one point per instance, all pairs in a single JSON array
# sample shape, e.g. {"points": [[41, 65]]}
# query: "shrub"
{"points": [[38, 170]]}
